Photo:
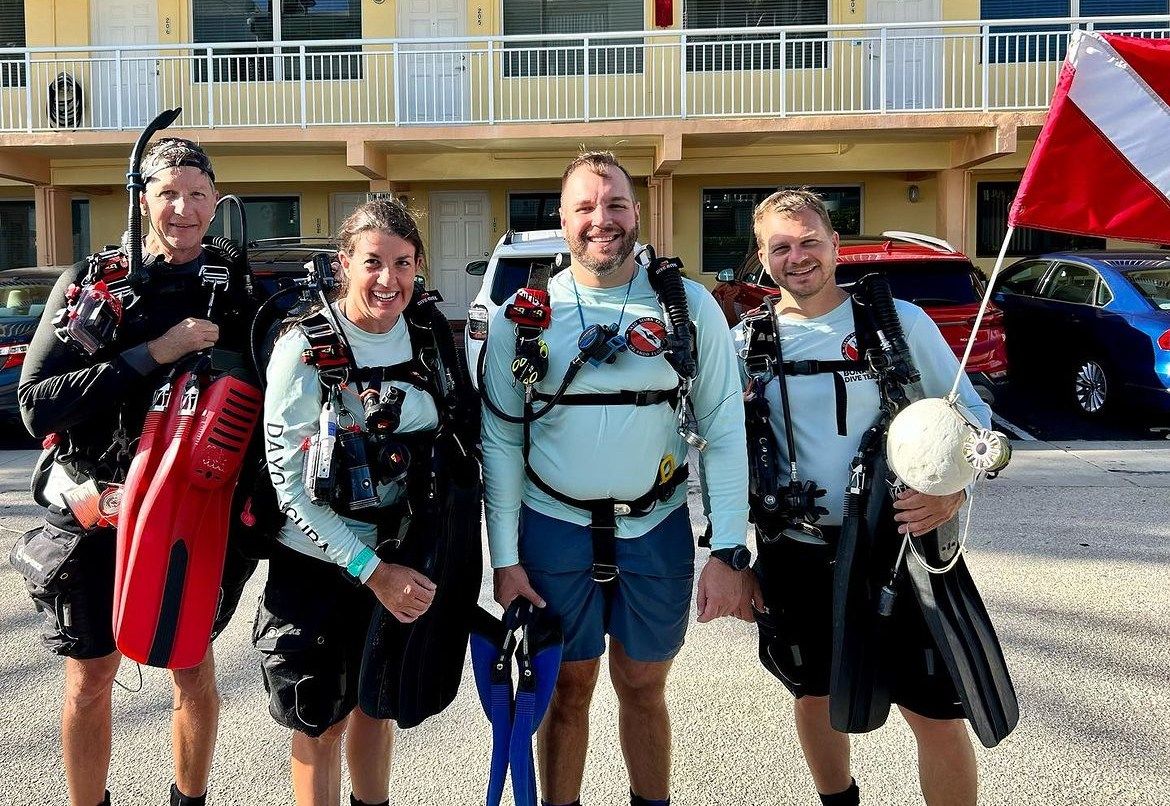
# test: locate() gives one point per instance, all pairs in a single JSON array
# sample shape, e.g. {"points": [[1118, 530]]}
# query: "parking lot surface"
{"points": [[1071, 547]]}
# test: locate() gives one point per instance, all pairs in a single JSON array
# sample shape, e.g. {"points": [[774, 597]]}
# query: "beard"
{"points": [[579, 248]]}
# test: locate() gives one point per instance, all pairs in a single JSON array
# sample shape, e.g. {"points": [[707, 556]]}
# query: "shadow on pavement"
{"points": [[1045, 415]]}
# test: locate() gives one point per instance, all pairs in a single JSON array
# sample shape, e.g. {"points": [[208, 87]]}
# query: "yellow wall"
{"points": [[656, 90]]}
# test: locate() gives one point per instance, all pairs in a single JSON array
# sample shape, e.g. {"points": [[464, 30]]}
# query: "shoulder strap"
{"points": [[762, 347]]}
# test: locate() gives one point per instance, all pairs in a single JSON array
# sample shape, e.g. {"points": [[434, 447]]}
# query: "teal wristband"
{"points": [[359, 563]]}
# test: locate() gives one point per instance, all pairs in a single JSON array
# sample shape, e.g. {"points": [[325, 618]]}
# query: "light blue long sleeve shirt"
{"points": [[822, 454], [292, 411], [612, 451]]}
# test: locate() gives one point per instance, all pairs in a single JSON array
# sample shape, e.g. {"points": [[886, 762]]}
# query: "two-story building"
{"points": [[909, 114]]}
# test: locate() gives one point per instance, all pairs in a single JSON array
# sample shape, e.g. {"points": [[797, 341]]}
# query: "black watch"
{"points": [[739, 557]]}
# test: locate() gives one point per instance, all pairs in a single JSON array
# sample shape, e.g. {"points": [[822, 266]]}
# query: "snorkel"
{"points": [[135, 183]]}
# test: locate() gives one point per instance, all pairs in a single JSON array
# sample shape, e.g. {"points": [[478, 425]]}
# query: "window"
{"points": [[18, 234], [1118, 8], [298, 20], [533, 211], [268, 217], [1023, 279], [991, 212], [1104, 295], [1047, 43], [727, 221], [80, 229], [1071, 283], [755, 51], [566, 57], [12, 36], [1154, 285]]}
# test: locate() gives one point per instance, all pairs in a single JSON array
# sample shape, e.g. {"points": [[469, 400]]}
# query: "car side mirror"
{"points": [[725, 276], [477, 268]]}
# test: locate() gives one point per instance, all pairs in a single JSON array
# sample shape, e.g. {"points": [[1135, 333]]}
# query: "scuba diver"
{"points": [[364, 392], [843, 619], [116, 325], [592, 393]]}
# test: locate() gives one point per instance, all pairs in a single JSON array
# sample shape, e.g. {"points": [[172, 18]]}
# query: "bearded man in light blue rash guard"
{"points": [[815, 324], [542, 547]]}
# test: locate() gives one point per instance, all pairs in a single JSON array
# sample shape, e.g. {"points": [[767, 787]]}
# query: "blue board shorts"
{"points": [[646, 608]]}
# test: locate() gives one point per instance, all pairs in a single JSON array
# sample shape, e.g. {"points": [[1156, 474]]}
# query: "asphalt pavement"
{"points": [[1070, 546]]}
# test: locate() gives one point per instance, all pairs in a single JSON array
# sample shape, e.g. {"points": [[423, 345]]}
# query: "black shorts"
{"points": [[311, 630], [796, 634], [70, 575]]}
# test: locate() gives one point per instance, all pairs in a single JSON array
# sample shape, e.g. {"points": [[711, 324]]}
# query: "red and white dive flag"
{"points": [[1101, 165]]}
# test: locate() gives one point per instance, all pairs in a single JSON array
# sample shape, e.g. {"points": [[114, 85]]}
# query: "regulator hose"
{"points": [[571, 373], [238, 203], [873, 291], [666, 279]]}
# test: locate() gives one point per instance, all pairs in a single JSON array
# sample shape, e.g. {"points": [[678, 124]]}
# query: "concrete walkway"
{"points": [[1071, 547]]}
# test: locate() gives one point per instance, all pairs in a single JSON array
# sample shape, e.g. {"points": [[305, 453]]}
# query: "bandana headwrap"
{"points": [[175, 154]]}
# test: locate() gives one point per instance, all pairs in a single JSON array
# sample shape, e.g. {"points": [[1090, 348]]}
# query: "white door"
{"points": [[914, 56], [125, 90], [432, 83], [459, 235], [340, 206]]}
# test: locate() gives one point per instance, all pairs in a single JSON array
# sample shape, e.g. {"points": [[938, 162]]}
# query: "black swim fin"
{"points": [[859, 694], [966, 639], [413, 671]]}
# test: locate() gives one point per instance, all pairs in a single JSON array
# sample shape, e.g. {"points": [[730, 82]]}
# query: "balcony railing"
{"points": [[986, 65]]}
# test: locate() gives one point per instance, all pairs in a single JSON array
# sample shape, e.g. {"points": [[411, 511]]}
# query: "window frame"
{"points": [[270, 65], [31, 208], [12, 69], [545, 193], [571, 63], [740, 267], [1044, 292], [1026, 242], [1046, 268], [263, 197], [744, 56]]}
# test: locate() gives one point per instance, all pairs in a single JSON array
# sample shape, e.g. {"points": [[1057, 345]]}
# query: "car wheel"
{"points": [[1092, 388]]}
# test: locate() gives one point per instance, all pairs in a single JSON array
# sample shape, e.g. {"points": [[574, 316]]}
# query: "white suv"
{"points": [[503, 275]]}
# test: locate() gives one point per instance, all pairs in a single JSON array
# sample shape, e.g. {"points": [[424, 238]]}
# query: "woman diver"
{"points": [[352, 404]]}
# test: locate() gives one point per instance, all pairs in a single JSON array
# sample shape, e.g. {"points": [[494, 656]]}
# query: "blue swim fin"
{"points": [[492, 646], [538, 656]]}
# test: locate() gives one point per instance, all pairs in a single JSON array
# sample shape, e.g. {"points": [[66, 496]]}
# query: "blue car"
{"points": [[23, 293], [1097, 324]]}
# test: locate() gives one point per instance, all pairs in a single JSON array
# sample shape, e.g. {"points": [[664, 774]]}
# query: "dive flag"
{"points": [[1100, 165]]}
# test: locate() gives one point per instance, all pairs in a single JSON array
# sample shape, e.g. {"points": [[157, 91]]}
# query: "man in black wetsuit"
{"points": [[95, 405]]}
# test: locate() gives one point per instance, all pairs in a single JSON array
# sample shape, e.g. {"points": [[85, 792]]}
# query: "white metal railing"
{"points": [[741, 72]]}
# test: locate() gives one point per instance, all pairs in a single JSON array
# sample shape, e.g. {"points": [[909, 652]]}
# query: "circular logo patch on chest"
{"points": [[646, 336], [849, 348]]}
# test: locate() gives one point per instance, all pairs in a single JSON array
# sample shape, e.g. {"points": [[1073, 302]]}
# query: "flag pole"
{"points": [[979, 317]]}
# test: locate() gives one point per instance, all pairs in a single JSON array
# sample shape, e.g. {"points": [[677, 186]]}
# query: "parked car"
{"points": [[504, 273], [922, 269], [1097, 324], [277, 263], [23, 293]]}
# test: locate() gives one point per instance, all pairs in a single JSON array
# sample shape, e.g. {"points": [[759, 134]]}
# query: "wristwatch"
{"points": [[739, 557]]}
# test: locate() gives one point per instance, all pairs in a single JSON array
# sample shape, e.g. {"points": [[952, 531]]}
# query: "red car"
{"points": [[924, 270]]}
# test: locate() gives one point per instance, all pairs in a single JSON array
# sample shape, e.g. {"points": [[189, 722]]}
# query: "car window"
{"points": [[1024, 279], [22, 298], [926, 283], [1071, 283], [512, 274], [764, 279], [1104, 295], [1154, 285]]}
